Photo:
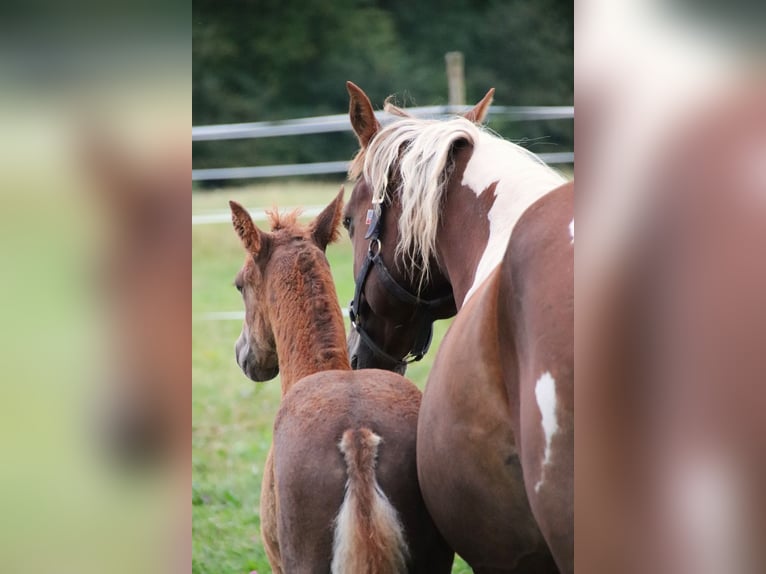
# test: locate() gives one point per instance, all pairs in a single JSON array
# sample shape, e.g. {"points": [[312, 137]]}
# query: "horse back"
{"points": [[311, 474]]}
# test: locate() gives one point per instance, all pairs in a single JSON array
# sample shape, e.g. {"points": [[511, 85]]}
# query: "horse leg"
{"points": [[269, 532]]}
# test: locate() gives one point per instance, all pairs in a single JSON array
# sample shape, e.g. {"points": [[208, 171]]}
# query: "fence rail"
{"points": [[339, 123], [256, 214], [324, 167]]}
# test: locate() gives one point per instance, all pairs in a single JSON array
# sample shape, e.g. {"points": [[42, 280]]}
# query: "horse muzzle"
{"points": [[363, 356], [255, 369]]}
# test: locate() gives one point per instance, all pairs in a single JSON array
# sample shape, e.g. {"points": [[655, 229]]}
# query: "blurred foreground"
{"points": [[671, 276], [94, 212], [671, 335]]}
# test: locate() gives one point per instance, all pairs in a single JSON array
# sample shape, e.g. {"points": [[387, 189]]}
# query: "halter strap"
{"points": [[403, 294], [424, 308], [373, 346]]}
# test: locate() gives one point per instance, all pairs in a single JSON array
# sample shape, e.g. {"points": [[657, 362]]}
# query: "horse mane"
{"points": [[393, 109], [417, 154], [322, 308], [279, 221], [308, 297], [357, 163]]}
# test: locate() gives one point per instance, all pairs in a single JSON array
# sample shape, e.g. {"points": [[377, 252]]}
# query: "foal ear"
{"points": [[324, 229], [360, 111], [479, 111], [256, 242]]}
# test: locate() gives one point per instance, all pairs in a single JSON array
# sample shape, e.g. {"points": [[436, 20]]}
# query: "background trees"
{"points": [[256, 60]]}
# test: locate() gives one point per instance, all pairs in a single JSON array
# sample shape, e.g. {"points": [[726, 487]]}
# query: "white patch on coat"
{"points": [[521, 180], [571, 230], [707, 505], [545, 393]]}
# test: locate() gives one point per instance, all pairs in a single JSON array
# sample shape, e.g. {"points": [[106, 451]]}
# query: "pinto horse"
{"points": [[672, 453], [445, 205], [340, 490]]}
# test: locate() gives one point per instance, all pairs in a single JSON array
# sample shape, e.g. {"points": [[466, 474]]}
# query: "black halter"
{"points": [[424, 308]]}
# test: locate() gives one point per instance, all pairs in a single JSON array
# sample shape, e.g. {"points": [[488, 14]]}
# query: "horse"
{"points": [[141, 276], [464, 221], [671, 342], [340, 490]]}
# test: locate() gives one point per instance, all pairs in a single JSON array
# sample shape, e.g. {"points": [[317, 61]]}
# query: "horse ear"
{"points": [[362, 116], [256, 242], [324, 229], [479, 111]]}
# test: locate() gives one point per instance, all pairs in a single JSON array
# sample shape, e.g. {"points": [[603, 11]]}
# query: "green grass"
{"points": [[233, 416]]}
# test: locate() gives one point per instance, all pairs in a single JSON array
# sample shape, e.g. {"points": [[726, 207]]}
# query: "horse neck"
{"points": [[307, 320], [486, 195]]}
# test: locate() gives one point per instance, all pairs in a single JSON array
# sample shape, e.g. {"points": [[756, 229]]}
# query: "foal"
{"points": [[340, 490]]}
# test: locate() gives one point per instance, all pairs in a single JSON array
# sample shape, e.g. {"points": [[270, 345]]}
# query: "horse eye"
{"points": [[346, 222], [239, 286]]}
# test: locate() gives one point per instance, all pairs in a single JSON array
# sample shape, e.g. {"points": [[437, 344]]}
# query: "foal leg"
{"points": [[269, 515]]}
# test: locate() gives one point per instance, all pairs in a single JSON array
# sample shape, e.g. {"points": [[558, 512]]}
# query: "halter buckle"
{"points": [[374, 248]]}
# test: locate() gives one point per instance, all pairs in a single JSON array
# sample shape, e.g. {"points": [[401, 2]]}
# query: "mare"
{"points": [[672, 451], [340, 490], [448, 205]]}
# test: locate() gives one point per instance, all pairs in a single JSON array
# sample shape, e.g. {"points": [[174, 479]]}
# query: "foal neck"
{"points": [[306, 318]]}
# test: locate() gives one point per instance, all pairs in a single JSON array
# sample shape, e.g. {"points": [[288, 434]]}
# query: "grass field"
{"points": [[233, 416]]}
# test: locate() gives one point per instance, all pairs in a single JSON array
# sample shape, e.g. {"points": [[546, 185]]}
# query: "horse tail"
{"points": [[369, 539]]}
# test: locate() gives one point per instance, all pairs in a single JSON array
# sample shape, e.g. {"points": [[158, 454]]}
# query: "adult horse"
{"points": [[336, 430], [446, 204], [672, 451]]}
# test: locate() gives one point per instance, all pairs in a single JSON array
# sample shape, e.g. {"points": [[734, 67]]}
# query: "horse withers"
{"points": [[340, 490], [449, 206]]}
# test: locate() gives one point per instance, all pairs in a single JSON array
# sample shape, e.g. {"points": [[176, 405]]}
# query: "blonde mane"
{"points": [[417, 154]]}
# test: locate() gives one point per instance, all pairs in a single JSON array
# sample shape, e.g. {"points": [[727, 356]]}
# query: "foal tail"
{"points": [[369, 539]]}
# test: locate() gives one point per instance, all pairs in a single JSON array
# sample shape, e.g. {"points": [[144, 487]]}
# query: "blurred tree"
{"points": [[257, 60]]}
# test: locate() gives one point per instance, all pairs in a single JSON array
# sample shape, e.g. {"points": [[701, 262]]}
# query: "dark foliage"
{"points": [[258, 60]]}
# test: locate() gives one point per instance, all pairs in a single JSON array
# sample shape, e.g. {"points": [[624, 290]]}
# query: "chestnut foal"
{"points": [[340, 490]]}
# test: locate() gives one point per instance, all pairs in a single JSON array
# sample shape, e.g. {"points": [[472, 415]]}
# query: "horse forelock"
{"points": [[417, 153], [356, 167], [279, 221]]}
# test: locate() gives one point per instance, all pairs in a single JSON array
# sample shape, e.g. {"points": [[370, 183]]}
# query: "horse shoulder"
{"points": [[537, 277]]}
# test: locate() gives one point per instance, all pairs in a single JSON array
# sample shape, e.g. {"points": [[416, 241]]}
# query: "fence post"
{"points": [[455, 78]]}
